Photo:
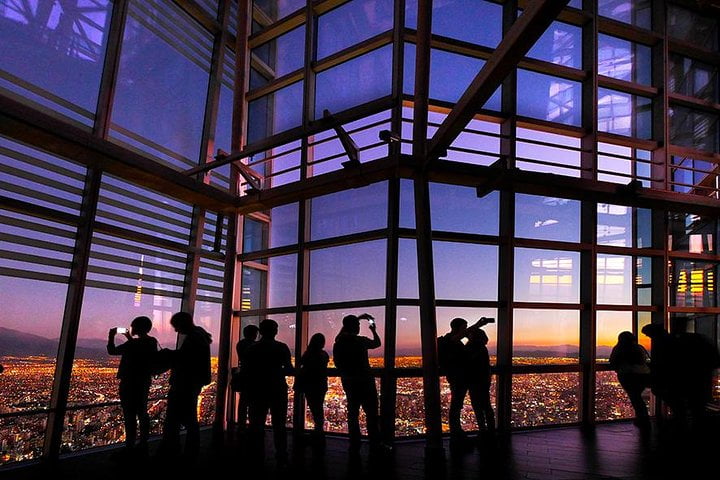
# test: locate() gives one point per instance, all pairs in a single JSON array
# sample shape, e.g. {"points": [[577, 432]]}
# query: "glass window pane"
{"points": [[283, 225], [614, 279], [643, 280], [624, 114], [208, 315], [254, 289], [545, 399], [543, 337], [350, 211], [547, 218], [614, 225], [408, 345], [624, 60], [611, 401], [409, 413], [465, 271], [329, 323], [693, 78], [351, 23], [609, 326], [694, 129], [695, 28], [349, 272], [634, 12], [458, 209], [282, 281], [283, 54], [560, 44], [338, 88], [67, 47], [444, 316], [275, 112], [146, 112], [547, 276], [548, 98], [407, 269], [23, 437], [457, 19], [407, 204]]}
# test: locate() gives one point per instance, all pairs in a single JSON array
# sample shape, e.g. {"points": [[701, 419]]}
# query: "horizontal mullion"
{"points": [[26, 413], [680, 255], [48, 182], [131, 288], [256, 266], [468, 303], [212, 278], [210, 288], [617, 308], [275, 85], [33, 242], [548, 306], [34, 210], [48, 277], [629, 251], [551, 244], [348, 239], [626, 87], [133, 275], [37, 259], [354, 51], [39, 195], [132, 262], [622, 140], [153, 145], [378, 302], [46, 95], [442, 236], [277, 29], [118, 245], [104, 214], [710, 310], [626, 31], [132, 235], [42, 164], [206, 298], [273, 252], [259, 312], [693, 51], [693, 102]]}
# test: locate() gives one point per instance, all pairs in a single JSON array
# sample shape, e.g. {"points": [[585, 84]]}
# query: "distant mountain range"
{"points": [[17, 343]]}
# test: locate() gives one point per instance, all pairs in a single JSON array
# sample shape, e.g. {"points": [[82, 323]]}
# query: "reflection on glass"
{"points": [[624, 114], [277, 9], [542, 337], [548, 98], [456, 208], [351, 23], [624, 60], [560, 44], [275, 112], [254, 289], [693, 176], [284, 225], [357, 81], [282, 280], [545, 399], [407, 269], [67, 47], [692, 233], [611, 401], [692, 284], [255, 235], [329, 323], [692, 27], [643, 318], [614, 285], [547, 218], [336, 275], [634, 12], [643, 227], [465, 271], [350, 211], [694, 129], [408, 348], [534, 154], [609, 326], [691, 77], [407, 204], [547, 276], [614, 225]]}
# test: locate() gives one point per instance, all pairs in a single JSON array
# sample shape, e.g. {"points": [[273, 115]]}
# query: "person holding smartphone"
{"points": [[350, 353], [135, 374]]}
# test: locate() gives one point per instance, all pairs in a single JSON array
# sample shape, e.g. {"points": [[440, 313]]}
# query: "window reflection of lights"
{"points": [[610, 231], [551, 279], [554, 201], [553, 264]]}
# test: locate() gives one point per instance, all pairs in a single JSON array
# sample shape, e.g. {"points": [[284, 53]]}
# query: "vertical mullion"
{"points": [[426, 285], [660, 170], [71, 315], [302, 298], [309, 73], [111, 64]]}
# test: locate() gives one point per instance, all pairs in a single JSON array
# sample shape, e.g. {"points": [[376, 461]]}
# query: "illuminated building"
{"points": [[570, 191]]}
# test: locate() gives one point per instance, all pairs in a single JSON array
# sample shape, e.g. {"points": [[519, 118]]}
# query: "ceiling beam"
{"points": [[526, 30], [48, 133]]}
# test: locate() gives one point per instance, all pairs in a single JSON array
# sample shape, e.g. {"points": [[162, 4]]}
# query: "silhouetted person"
{"points": [[350, 353], [189, 372], [478, 379], [697, 359], [631, 362], [250, 334], [268, 363], [312, 380], [664, 367], [135, 374]]}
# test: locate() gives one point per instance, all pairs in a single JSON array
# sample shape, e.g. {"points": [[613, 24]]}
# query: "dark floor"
{"points": [[610, 451]]}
